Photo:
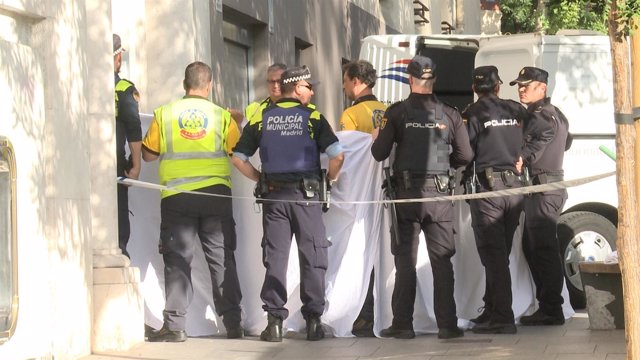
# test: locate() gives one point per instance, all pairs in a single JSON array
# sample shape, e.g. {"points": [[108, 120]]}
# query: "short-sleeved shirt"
{"points": [[364, 115]]}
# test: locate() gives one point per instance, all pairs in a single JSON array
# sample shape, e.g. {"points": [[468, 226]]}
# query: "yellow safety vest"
{"points": [[193, 133], [121, 86]]}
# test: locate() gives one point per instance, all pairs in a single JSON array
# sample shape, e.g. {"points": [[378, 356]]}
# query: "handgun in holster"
{"points": [[471, 180], [526, 178], [391, 195], [442, 183], [325, 191]]}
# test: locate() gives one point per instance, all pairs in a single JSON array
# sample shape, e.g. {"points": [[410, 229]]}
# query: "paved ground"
{"points": [[571, 341]]}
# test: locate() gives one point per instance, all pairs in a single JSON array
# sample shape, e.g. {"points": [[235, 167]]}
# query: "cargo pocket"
{"points": [[320, 247]]}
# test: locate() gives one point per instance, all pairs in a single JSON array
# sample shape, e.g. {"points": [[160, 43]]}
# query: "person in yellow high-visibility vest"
{"points": [[193, 137], [128, 130]]}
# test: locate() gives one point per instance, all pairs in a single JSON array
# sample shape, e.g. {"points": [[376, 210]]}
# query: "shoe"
{"points": [[148, 330], [483, 318], [541, 318], [235, 332], [166, 335], [452, 333], [273, 331], [362, 328], [315, 331], [495, 328], [392, 332]]}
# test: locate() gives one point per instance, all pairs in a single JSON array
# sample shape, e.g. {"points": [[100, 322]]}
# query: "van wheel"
{"points": [[583, 236]]}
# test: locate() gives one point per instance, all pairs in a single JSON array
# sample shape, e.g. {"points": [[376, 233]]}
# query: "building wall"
{"points": [[56, 63]]}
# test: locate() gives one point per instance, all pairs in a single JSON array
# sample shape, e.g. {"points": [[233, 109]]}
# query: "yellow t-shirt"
{"points": [[364, 115]]}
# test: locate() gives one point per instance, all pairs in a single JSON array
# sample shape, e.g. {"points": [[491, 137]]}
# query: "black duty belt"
{"points": [[279, 185], [546, 178]]}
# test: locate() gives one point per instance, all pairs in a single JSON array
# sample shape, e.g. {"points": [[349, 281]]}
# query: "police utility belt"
{"points": [[308, 186], [489, 176], [406, 180]]}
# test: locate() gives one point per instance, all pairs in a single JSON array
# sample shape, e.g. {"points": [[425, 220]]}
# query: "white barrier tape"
{"points": [[506, 192]]}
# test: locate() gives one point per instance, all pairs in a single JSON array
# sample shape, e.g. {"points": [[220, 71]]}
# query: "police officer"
{"points": [[193, 138], [546, 138], [495, 133], [365, 114], [424, 130], [290, 136], [128, 130]]}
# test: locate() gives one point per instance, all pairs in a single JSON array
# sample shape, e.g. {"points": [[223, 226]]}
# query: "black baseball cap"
{"points": [[421, 67], [529, 74], [486, 76]]}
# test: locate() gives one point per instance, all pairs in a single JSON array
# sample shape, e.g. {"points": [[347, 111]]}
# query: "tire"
{"points": [[583, 236]]}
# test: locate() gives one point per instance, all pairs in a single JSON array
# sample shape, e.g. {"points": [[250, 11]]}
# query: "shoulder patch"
{"points": [[449, 105]]}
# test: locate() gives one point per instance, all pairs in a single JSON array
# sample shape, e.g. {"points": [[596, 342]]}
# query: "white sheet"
{"points": [[360, 238]]}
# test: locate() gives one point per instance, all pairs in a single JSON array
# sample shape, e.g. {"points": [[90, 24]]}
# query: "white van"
{"points": [[580, 84]]}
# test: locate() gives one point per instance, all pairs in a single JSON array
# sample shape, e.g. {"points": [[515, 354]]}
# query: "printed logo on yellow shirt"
{"points": [[378, 115], [193, 124]]}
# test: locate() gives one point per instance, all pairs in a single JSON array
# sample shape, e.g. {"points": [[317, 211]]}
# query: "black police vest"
{"points": [[424, 148], [553, 156], [286, 145]]}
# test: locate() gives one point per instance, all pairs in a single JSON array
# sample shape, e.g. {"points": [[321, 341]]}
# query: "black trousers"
{"points": [[435, 219], [541, 248], [186, 217], [124, 227], [280, 221], [494, 222]]}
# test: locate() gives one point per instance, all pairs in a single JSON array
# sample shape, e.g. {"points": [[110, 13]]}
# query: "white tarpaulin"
{"points": [[360, 237]]}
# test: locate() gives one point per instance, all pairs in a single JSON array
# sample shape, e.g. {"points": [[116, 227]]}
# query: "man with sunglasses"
{"points": [[290, 136], [546, 138]]}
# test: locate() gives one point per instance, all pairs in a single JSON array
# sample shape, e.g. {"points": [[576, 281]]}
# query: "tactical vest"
{"points": [[286, 143], [424, 148], [192, 149]]}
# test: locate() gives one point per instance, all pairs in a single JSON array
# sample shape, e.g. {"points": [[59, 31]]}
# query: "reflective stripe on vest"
{"points": [[193, 133]]}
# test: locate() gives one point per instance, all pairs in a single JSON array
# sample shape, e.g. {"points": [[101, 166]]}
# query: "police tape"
{"points": [[483, 195]]}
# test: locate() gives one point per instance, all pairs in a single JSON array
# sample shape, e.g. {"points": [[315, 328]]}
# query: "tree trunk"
{"points": [[540, 12], [628, 230]]}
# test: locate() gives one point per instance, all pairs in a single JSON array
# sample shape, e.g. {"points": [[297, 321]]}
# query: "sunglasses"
{"points": [[308, 86]]}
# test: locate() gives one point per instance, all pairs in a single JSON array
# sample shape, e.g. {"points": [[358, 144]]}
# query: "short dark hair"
{"points": [[197, 75], [276, 66], [361, 69]]}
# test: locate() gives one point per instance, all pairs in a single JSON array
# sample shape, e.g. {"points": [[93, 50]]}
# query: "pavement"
{"points": [[571, 341]]}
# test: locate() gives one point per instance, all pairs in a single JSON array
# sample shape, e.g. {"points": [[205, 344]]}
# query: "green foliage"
{"points": [[517, 16]]}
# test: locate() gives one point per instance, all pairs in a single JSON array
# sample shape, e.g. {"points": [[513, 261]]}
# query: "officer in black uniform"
{"points": [[495, 132], [291, 136], [546, 138], [424, 129], [128, 130]]}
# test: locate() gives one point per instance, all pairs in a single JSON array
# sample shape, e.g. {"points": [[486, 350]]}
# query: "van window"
{"points": [[8, 246], [454, 66]]}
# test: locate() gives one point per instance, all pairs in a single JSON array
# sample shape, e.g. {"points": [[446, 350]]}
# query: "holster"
{"points": [[310, 187], [261, 189]]}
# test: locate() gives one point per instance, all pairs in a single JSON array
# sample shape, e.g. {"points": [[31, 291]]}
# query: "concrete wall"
{"points": [[77, 292]]}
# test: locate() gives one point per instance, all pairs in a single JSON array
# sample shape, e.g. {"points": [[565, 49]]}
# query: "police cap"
{"points": [[421, 67], [529, 74], [117, 45], [486, 77], [295, 74]]}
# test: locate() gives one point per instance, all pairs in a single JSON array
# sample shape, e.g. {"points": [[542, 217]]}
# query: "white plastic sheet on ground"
{"points": [[360, 237]]}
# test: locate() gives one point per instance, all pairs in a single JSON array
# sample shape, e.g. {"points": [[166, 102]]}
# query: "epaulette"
{"points": [[538, 109], [394, 105], [449, 105], [311, 106]]}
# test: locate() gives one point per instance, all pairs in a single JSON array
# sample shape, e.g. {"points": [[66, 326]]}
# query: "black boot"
{"points": [[273, 331], [314, 328]]}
